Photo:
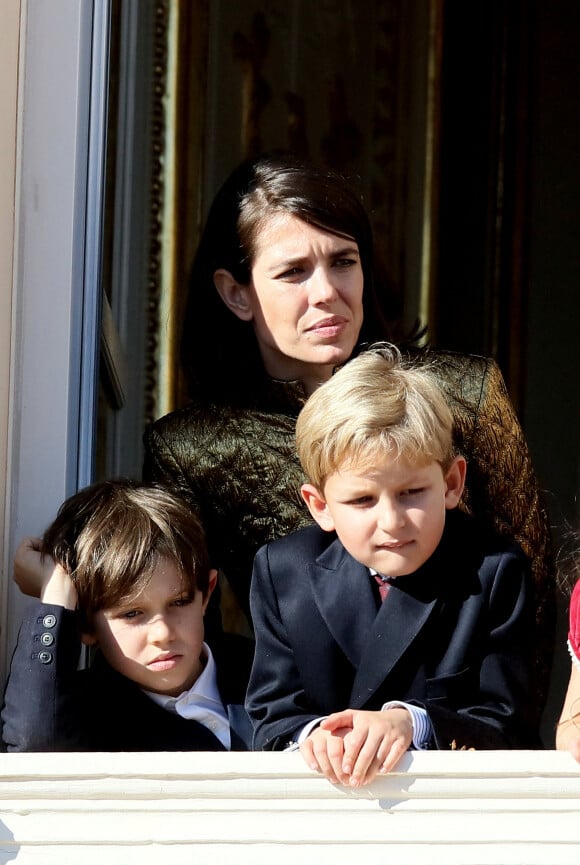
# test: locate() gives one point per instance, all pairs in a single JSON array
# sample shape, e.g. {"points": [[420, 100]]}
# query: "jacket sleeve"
{"points": [[275, 698], [42, 710], [492, 703]]}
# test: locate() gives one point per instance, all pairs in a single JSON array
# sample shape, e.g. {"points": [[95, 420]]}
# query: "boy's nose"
{"points": [[159, 629], [390, 516]]}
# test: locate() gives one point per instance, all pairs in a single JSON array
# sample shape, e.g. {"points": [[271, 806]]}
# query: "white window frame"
{"points": [[55, 303]]}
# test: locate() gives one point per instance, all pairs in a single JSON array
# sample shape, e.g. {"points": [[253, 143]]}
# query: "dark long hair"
{"points": [[219, 352]]}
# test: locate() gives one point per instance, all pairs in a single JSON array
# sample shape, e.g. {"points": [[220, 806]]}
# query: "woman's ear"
{"points": [[317, 506], [454, 482], [88, 639], [234, 294]]}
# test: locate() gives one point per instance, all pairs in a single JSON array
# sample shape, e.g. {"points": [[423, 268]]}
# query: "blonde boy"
{"points": [[444, 660]]}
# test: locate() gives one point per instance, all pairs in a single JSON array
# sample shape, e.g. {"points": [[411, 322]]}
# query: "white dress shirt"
{"points": [[202, 702]]}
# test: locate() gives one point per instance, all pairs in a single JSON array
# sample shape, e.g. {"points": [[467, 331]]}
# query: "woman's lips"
{"points": [[328, 326]]}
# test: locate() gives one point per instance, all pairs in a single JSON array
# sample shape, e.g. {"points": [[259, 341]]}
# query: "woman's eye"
{"points": [[345, 262], [288, 274]]}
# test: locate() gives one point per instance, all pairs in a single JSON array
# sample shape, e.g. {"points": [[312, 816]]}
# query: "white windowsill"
{"points": [[441, 807]]}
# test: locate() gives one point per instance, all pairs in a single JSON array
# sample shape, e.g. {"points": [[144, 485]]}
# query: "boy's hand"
{"points": [[40, 577], [323, 750], [352, 746], [30, 572]]}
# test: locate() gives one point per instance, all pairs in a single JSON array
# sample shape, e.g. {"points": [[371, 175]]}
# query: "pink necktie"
{"points": [[383, 587]]}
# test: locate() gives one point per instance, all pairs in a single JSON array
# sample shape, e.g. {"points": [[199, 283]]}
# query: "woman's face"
{"points": [[304, 299]]}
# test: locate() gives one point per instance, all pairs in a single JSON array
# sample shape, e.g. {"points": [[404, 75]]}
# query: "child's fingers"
{"points": [[354, 743], [365, 766], [324, 752], [396, 750], [338, 719], [29, 569]]}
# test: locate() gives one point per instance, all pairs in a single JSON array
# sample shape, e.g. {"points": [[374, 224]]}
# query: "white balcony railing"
{"points": [[456, 808]]}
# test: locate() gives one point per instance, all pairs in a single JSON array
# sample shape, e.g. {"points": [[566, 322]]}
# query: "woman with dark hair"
{"points": [[282, 291], [256, 190], [276, 303]]}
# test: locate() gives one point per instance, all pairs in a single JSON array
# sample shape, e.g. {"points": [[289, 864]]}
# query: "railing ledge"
{"points": [[450, 807]]}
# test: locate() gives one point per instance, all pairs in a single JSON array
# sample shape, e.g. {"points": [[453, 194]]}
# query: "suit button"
{"points": [[49, 621], [45, 657], [47, 639]]}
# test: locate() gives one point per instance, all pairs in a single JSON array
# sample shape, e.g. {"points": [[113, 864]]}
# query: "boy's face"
{"points": [[389, 517], [156, 638]]}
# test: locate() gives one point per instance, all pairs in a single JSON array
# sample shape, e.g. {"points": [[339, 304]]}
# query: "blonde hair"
{"points": [[377, 404]]}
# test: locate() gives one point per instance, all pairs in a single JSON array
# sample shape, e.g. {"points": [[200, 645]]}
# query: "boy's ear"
{"points": [[317, 506], [455, 481], [211, 584], [233, 294]]}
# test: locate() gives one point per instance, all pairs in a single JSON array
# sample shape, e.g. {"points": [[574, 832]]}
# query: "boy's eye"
{"points": [[360, 500], [128, 614], [413, 491], [183, 602]]}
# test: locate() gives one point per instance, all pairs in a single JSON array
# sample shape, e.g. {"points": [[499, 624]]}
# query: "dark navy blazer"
{"points": [[455, 637]]}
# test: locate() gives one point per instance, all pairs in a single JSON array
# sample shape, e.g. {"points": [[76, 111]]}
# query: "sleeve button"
{"points": [[49, 621], [47, 639], [45, 657]]}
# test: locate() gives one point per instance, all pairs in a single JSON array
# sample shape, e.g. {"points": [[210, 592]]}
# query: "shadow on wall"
{"points": [[8, 849]]}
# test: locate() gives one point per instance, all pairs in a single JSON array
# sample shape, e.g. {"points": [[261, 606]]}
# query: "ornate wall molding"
{"points": [[158, 167]]}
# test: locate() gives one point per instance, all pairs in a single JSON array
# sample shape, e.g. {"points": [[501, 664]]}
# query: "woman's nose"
{"points": [[322, 288]]}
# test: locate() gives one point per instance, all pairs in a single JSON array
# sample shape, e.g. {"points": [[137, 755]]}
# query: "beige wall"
{"points": [[9, 45]]}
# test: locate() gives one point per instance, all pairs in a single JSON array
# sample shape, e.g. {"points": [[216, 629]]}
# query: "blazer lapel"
{"points": [[345, 599], [397, 624]]}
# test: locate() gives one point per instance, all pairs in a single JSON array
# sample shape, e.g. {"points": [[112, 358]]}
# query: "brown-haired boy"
{"points": [[132, 578]]}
